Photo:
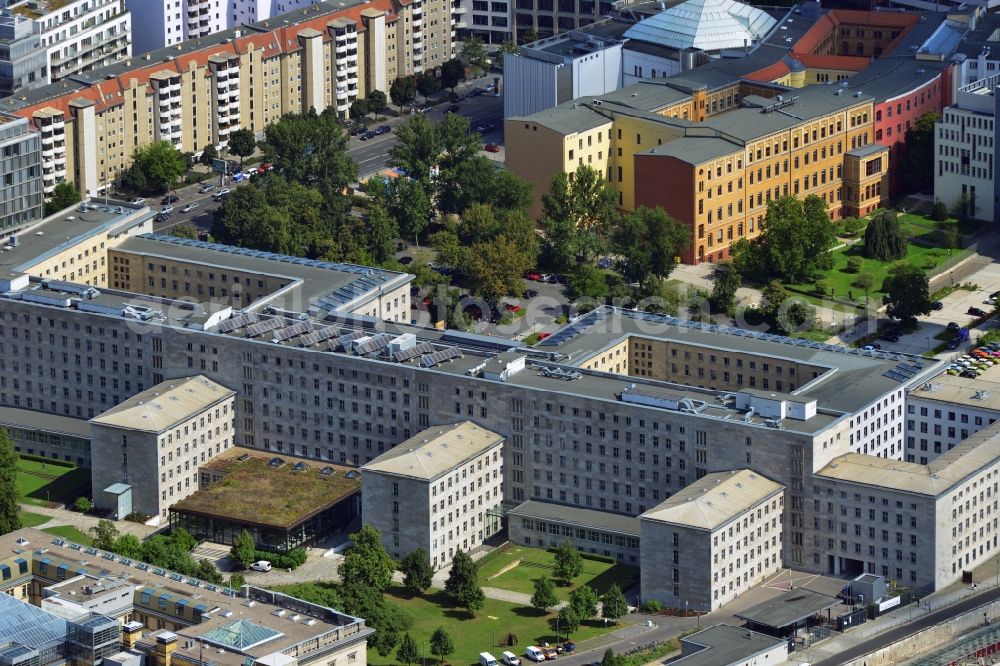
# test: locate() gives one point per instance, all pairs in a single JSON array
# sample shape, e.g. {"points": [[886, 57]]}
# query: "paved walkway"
{"points": [[82, 522]]}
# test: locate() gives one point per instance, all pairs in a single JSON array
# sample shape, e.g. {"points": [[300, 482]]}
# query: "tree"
{"points": [[457, 141], [402, 90], [587, 281], [589, 202], [105, 533], [244, 551], [774, 295], [358, 109], [940, 211], [236, 581], [610, 659], [417, 572], [584, 601], [794, 242], [206, 571], [854, 264], [156, 167], [63, 196], [185, 231], [310, 149], [477, 180], [452, 73], [949, 235], [375, 101], [544, 595], [10, 509], [478, 224], [907, 294], [463, 582], [388, 620], [449, 250], [428, 84], [568, 619], [650, 240], [613, 604], [474, 53], [410, 206], [568, 563], [128, 545], [382, 233], [864, 281], [723, 296], [494, 269], [365, 561], [530, 35], [243, 143], [83, 504], [441, 644], [416, 149], [822, 287], [918, 153], [507, 47], [208, 153], [407, 653], [884, 239]]}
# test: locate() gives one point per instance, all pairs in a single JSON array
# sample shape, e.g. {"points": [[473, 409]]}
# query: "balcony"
{"points": [[48, 153]]}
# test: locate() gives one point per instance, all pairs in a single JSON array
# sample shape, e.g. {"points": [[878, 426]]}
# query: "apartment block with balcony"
{"points": [[80, 35], [21, 183]]}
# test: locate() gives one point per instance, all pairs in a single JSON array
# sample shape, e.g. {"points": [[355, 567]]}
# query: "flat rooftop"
{"points": [[323, 284], [294, 621], [571, 515], [265, 488], [714, 500], [29, 419], [435, 451], [983, 392], [55, 234], [979, 451], [724, 645], [165, 405], [788, 608]]}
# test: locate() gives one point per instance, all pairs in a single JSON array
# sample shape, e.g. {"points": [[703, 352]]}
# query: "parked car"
{"points": [[169, 199], [569, 646], [542, 336], [530, 293], [205, 189], [511, 307], [550, 652], [221, 194], [532, 275], [605, 262], [561, 279], [239, 177], [382, 129], [937, 305], [486, 659], [356, 130], [976, 312], [534, 654], [406, 261], [167, 209], [261, 565], [138, 201], [510, 659], [190, 207], [454, 109], [890, 336], [491, 148], [368, 135]]}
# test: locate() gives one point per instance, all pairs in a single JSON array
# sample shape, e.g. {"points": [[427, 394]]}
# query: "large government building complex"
{"points": [[601, 423]]}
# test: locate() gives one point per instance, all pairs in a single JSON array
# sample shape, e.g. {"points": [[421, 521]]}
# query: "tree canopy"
{"points": [[366, 564], [63, 196], [907, 294], [156, 167], [579, 216], [793, 244], [918, 153], [417, 572], [242, 143], [10, 509], [310, 148], [650, 241], [474, 53], [403, 90], [884, 239], [441, 644], [428, 84], [452, 73], [544, 595], [613, 604], [462, 584], [568, 563], [244, 551]]}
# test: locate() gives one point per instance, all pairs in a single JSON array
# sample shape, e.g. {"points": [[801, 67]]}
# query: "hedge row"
{"points": [[294, 559]]}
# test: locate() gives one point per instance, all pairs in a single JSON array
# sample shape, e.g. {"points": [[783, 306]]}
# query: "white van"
{"points": [[534, 654], [486, 659], [510, 659]]}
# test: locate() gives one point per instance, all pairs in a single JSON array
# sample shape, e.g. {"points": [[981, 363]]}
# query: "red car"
{"points": [[533, 276], [491, 148], [542, 336], [510, 307]]}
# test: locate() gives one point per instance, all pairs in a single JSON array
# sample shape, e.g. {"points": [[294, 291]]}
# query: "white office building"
{"points": [[965, 149], [159, 24], [945, 411], [80, 35]]}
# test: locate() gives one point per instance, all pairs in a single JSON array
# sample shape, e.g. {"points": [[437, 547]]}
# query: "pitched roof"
{"points": [[435, 451], [165, 405], [714, 500], [709, 25]]}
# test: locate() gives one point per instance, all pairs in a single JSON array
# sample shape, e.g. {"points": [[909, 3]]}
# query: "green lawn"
{"points": [[42, 483], [535, 563], [70, 533], [475, 635], [33, 519]]}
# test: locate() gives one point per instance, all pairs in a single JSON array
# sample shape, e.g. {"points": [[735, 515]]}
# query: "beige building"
{"points": [[945, 411], [712, 541], [156, 440], [440, 490], [323, 56], [918, 525]]}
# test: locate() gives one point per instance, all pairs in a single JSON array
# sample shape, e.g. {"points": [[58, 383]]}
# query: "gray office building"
{"points": [[23, 61], [21, 199]]}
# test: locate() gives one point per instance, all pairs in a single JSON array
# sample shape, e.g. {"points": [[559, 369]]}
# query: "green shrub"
{"points": [[853, 265], [293, 560], [651, 607], [940, 211]]}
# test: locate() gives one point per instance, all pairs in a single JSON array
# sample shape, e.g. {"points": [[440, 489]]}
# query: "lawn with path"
{"points": [[69, 533], [473, 635], [46, 482], [533, 563], [33, 519]]}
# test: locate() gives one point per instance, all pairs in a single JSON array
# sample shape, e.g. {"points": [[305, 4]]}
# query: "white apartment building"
{"points": [[712, 541], [943, 412], [919, 525], [439, 490], [155, 441], [80, 35], [965, 149], [167, 22]]}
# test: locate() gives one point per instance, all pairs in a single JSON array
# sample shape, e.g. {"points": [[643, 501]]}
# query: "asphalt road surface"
{"points": [[899, 633]]}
